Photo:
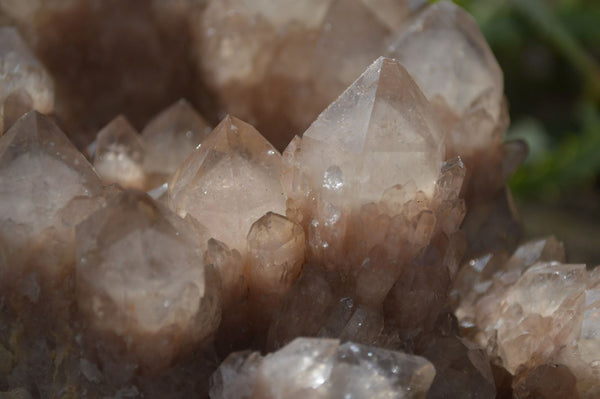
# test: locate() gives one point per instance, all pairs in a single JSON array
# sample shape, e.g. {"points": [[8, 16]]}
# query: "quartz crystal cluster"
{"points": [[371, 258], [285, 63], [322, 368], [140, 161], [535, 314]]}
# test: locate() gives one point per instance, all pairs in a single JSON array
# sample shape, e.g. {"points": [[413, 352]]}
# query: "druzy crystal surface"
{"points": [[373, 258], [535, 313]]}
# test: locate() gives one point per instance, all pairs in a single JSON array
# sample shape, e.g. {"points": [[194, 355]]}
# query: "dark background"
{"points": [[549, 51]]}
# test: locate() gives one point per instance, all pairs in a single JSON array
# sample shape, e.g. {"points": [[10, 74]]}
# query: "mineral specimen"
{"points": [[170, 138], [278, 65], [532, 312], [217, 183], [145, 281], [468, 95], [119, 155], [323, 368], [377, 231], [341, 261], [25, 83], [41, 171], [381, 119], [93, 52]]}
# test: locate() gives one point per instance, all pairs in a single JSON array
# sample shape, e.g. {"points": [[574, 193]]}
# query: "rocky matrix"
{"points": [[376, 256]]}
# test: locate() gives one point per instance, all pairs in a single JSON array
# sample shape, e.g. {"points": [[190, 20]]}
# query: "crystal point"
{"points": [[276, 252], [451, 36], [171, 137], [354, 39], [140, 274], [25, 83], [119, 154], [381, 122], [324, 368], [229, 182], [41, 172]]}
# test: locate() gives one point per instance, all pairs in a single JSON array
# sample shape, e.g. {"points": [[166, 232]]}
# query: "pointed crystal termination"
{"points": [[458, 69], [141, 277], [380, 132], [25, 83], [354, 39], [464, 83], [236, 376], [276, 254], [229, 182], [276, 249], [170, 138], [40, 171], [279, 65], [322, 368], [119, 155]]}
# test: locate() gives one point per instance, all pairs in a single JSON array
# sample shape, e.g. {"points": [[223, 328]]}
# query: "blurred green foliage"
{"points": [[549, 51]]}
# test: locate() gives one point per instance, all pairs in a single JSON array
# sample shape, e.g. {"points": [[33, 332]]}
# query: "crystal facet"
{"points": [[451, 37], [25, 83], [278, 65], [119, 155], [380, 123], [532, 312], [170, 138], [218, 183], [276, 254], [158, 288], [353, 239], [41, 171], [322, 368]]}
